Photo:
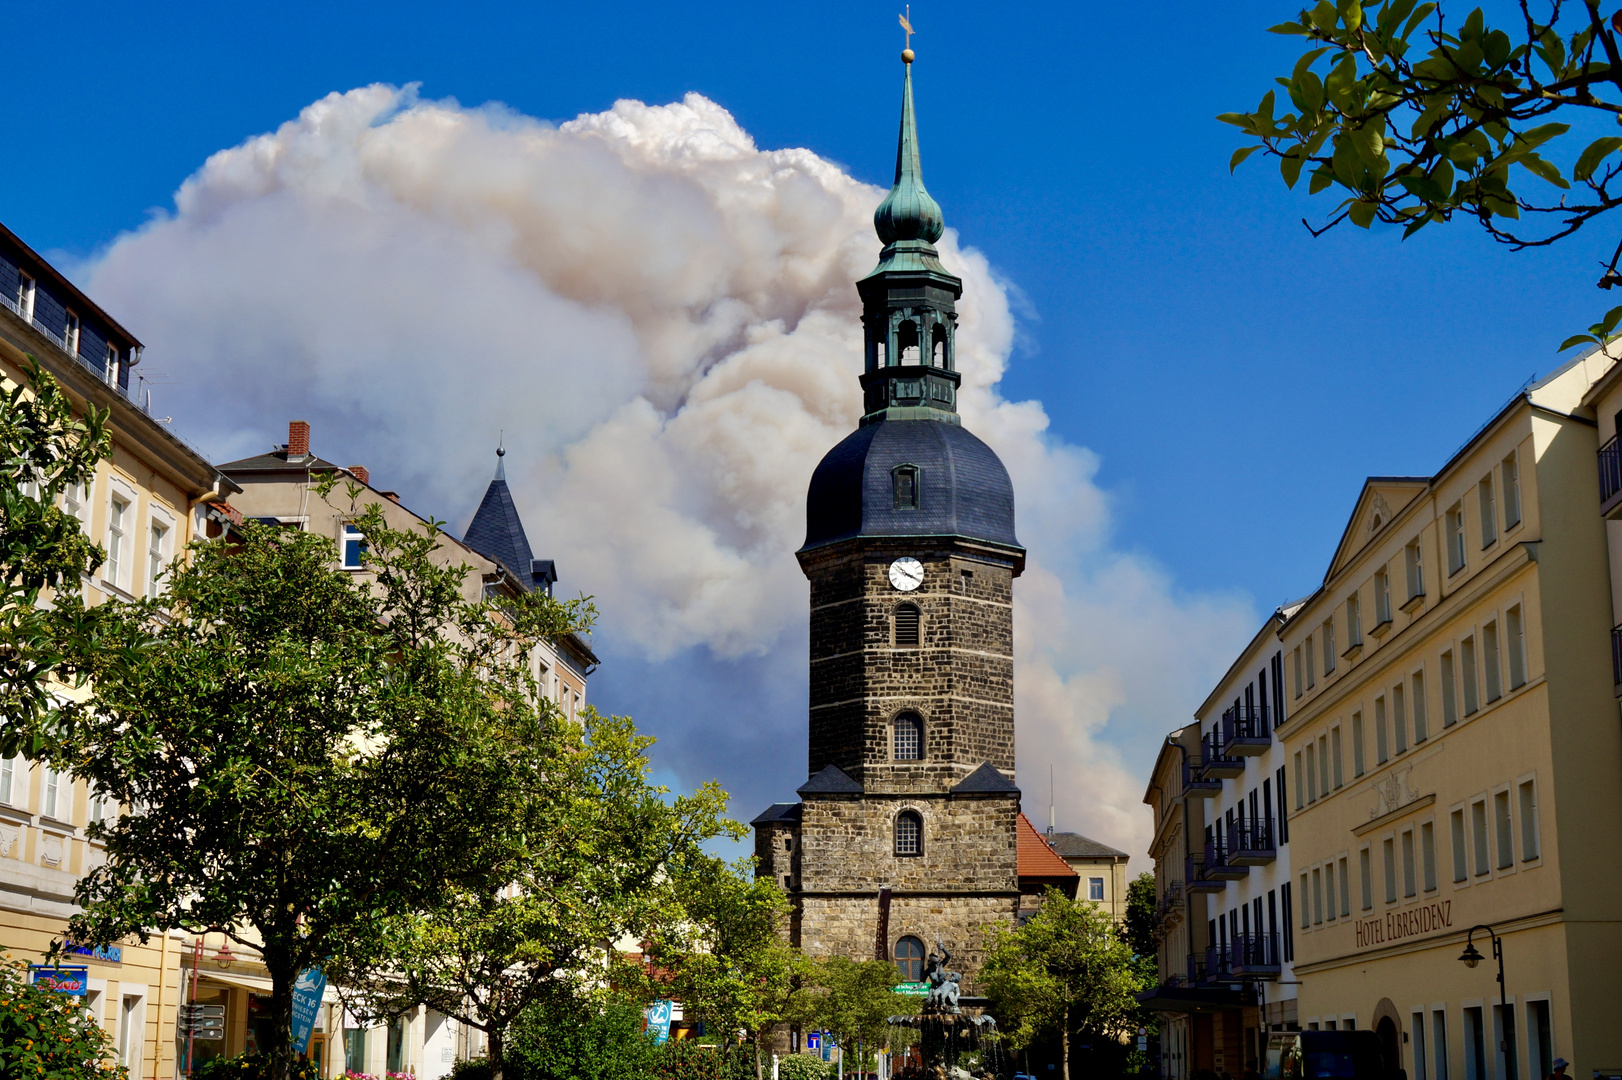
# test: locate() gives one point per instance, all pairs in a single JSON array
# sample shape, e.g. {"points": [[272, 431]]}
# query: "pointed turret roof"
{"points": [[908, 212], [497, 532]]}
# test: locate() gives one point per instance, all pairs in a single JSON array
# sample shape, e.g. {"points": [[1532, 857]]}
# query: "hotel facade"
{"points": [[1456, 757]]}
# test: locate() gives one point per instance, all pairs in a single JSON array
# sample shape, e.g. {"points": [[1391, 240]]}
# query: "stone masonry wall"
{"points": [[848, 844], [848, 926]]}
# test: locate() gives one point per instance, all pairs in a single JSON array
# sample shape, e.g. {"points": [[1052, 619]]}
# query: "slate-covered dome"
{"points": [[963, 488]]}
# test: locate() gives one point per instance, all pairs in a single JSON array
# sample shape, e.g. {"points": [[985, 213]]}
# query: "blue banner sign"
{"points": [[658, 1015], [308, 989], [70, 979]]}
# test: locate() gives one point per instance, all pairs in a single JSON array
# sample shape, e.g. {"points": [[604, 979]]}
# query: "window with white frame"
{"points": [[70, 333], [1489, 661], [1527, 790], [1299, 781], [1510, 473], [1450, 692], [1489, 512], [1329, 645], [76, 503], [157, 555], [116, 569], [1382, 596], [1453, 532], [1329, 890], [1427, 854], [1478, 828], [111, 364], [353, 546], [1414, 564], [1515, 647], [1389, 849], [1300, 686], [1323, 766], [1357, 744], [24, 297], [50, 784], [1399, 718], [1354, 621], [1382, 738], [1306, 908], [1467, 674], [1095, 888], [1345, 890], [1421, 727], [1312, 773], [99, 805], [1317, 897], [8, 779], [1409, 884], [1312, 675], [1335, 754], [1461, 857], [1503, 829]]}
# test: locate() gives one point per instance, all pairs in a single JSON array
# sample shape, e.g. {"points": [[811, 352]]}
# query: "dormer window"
{"points": [[905, 479], [70, 333], [25, 297]]}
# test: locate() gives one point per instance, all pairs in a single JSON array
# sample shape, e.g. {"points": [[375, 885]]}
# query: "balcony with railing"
{"points": [[1169, 912], [1244, 731], [1198, 879], [1254, 956], [1219, 862], [1217, 764], [1195, 782], [1218, 965], [1254, 843], [1610, 479]]}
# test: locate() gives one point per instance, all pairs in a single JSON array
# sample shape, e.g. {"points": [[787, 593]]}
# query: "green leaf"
{"points": [[1575, 339], [1352, 14], [1541, 134], [1287, 28], [1324, 16], [1321, 178], [1612, 317], [1598, 150], [1240, 155], [1237, 119], [1542, 167], [1361, 213], [1308, 58], [1419, 16], [1289, 165]]}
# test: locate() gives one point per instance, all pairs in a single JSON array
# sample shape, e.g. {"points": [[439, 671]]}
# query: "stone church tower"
{"points": [[905, 831]]}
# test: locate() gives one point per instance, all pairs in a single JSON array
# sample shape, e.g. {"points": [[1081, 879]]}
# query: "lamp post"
{"points": [[1471, 957]]}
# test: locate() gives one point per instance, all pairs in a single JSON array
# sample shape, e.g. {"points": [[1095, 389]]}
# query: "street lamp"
{"points": [[1471, 957]]}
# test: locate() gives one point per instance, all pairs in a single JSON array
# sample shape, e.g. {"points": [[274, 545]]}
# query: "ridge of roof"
{"points": [[832, 780], [1076, 846], [987, 779], [1035, 859]]}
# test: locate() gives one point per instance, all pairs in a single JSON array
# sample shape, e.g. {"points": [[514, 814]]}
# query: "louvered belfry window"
{"points": [[909, 737], [906, 626], [909, 833]]}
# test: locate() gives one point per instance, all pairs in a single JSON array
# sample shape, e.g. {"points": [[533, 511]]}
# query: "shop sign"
{"points": [[308, 989], [915, 989], [112, 954], [70, 979], [1395, 926]]}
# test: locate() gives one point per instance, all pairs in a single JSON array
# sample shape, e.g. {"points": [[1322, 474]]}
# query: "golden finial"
{"points": [[906, 53]]}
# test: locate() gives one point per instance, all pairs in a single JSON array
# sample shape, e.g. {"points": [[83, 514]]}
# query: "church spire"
{"points": [[908, 212], [909, 300]]}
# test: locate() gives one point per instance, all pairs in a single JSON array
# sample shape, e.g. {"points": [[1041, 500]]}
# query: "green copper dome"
{"points": [[908, 212]]}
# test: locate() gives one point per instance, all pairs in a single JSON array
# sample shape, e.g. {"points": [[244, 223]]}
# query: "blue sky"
{"points": [[1236, 377]]}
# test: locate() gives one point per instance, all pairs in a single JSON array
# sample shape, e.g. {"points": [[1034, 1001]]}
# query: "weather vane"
{"points": [[906, 52]]}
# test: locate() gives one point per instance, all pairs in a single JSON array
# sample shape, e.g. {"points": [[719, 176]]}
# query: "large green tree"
{"points": [[1067, 969], [305, 754], [725, 956], [47, 448], [1412, 118], [596, 847], [854, 999]]}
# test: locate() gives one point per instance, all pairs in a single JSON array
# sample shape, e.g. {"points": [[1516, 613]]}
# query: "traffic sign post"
{"points": [[205, 1022]]}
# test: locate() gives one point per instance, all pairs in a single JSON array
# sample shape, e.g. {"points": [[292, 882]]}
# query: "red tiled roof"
{"points": [[1036, 858]]}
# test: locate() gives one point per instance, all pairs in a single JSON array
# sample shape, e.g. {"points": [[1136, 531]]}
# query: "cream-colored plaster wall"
{"points": [[1557, 732]]}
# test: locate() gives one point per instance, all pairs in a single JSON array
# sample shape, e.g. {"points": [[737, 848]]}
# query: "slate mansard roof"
{"points": [[1076, 846], [964, 490]]}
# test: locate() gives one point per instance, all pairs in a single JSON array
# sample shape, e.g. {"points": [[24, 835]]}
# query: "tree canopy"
{"points": [[1413, 119], [304, 754]]}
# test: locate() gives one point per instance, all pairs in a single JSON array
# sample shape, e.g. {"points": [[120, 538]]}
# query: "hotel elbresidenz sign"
{"points": [[1394, 926]]}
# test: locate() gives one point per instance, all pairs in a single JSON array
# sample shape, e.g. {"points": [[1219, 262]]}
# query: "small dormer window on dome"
{"points": [[905, 479]]}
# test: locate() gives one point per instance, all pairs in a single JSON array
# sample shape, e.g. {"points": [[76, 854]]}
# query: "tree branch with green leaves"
{"points": [[1412, 120]]}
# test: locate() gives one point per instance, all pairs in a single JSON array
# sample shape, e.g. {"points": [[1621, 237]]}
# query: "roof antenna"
{"points": [[1050, 802]]}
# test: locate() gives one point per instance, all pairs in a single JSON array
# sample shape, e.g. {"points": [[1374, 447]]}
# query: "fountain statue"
{"points": [[943, 984], [947, 1037]]}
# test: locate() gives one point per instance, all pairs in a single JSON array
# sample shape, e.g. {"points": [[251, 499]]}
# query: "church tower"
{"points": [[905, 831]]}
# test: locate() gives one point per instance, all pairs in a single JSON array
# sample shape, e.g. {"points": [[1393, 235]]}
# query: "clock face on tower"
{"points": [[906, 573]]}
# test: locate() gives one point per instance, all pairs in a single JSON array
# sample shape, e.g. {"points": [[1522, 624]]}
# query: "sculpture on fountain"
{"points": [[943, 984]]}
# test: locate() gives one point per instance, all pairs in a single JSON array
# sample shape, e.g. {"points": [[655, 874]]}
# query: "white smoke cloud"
{"points": [[662, 319]]}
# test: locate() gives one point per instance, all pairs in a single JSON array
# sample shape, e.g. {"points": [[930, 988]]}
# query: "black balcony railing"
{"points": [[1216, 763], [1218, 964], [1610, 474], [1253, 841], [1196, 969], [1196, 782], [1243, 729], [1616, 654], [1254, 955]]}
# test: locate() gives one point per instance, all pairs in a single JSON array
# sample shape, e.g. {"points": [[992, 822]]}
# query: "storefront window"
{"points": [[397, 1045], [355, 1050]]}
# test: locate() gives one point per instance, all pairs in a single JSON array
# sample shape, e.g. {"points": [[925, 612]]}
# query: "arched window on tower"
{"points": [[937, 346], [907, 342], [907, 619], [909, 833], [908, 737], [909, 959]]}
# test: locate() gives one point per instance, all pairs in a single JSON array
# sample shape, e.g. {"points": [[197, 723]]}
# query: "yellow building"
{"points": [[1102, 870], [1456, 757], [147, 501]]}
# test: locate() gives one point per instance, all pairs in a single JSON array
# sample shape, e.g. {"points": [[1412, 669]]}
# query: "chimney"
{"points": [[298, 439], [392, 496], [360, 473]]}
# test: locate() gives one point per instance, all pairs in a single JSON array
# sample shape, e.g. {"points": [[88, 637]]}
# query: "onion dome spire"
{"points": [[908, 212]]}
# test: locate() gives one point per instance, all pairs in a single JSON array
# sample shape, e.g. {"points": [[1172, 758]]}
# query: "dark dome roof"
{"points": [[964, 491]]}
